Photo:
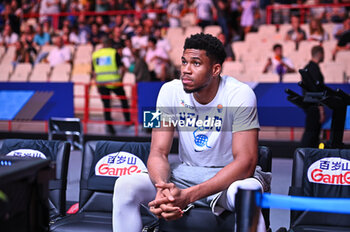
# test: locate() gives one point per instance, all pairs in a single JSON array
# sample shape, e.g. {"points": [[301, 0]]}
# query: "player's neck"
{"points": [[207, 94]]}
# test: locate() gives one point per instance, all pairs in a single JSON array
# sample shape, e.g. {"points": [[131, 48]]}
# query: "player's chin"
{"points": [[188, 90]]}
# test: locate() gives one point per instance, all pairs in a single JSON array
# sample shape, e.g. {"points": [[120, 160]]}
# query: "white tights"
{"points": [[132, 191]]}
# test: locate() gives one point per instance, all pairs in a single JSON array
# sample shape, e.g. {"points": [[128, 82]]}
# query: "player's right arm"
{"points": [[158, 164]]}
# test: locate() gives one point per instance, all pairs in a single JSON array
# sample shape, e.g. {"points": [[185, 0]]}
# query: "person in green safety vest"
{"points": [[108, 72]]}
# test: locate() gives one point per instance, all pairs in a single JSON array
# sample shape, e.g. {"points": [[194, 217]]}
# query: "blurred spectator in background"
{"points": [[49, 7], [295, 34], [318, 13], [248, 14], [278, 63], [101, 5], [12, 18], [157, 60], [174, 13], [139, 41], [65, 34], [141, 70], [128, 58], [315, 115], [262, 10], [340, 29], [223, 14], [60, 54], [205, 12], [128, 26], [96, 34], [230, 56], [335, 14], [117, 39], [41, 38], [117, 22], [47, 27], [162, 42], [100, 21], [344, 40], [27, 36], [8, 37], [233, 20], [74, 36], [317, 33], [24, 53], [84, 30]]}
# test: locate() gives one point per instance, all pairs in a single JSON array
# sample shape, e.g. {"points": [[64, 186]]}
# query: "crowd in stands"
{"points": [[142, 38]]}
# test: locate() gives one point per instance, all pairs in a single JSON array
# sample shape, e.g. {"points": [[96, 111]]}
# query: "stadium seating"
{"points": [[40, 73], [214, 30], [5, 70], [21, 72], [97, 185], [192, 30], [306, 161], [61, 73], [8, 56]]}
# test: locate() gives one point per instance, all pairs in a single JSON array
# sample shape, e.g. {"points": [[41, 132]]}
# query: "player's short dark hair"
{"points": [[211, 45], [276, 46], [315, 50]]}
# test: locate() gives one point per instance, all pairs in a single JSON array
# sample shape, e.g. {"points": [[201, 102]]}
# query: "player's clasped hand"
{"points": [[168, 202]]}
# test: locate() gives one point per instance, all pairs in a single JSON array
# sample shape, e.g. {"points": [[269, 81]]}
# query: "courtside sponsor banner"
{"points": [[27, 153], [119, 164], [330, 170]]}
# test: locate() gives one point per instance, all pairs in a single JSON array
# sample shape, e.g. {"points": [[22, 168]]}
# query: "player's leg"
{"points": [[129, 193], [227, 199]]}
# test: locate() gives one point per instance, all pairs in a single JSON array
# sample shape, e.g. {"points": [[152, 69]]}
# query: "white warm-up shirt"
{"points": [[210, 145]]}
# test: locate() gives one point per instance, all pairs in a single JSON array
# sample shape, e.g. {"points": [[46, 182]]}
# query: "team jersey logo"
{"points": [[200, 140], [119, 164], [27, 153], [330, 170]]}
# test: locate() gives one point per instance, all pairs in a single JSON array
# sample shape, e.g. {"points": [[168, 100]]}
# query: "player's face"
{"points": [[196, 70]]}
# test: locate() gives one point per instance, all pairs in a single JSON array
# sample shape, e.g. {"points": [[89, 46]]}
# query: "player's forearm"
{"points": [[236, 170], [158, 169]]}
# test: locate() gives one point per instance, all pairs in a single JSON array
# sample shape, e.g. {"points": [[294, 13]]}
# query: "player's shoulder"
{"points": [[231, 84], [173, 85]]}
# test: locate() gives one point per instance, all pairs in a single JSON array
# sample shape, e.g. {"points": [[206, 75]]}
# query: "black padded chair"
{"points": [[201, 219], [96, 191], [301, 186], [70, 128], [58, 152]]}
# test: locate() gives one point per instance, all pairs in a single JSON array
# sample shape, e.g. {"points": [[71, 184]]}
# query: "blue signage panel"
{"points": [[60, 104], [12, 101]]}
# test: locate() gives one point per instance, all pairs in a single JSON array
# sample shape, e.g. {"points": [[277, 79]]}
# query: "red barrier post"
{"points": [[86, 107]]}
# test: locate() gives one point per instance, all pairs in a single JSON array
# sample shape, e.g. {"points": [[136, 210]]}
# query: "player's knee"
{"points": [[125, 190], [247, 184]]}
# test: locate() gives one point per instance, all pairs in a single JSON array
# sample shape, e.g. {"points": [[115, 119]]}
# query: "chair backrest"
{"points": [[69, 127], [103, 162], [320, 173], [58, 152]]}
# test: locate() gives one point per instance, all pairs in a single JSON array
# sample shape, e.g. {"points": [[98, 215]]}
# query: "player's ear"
{"points": [[216, 69]]}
